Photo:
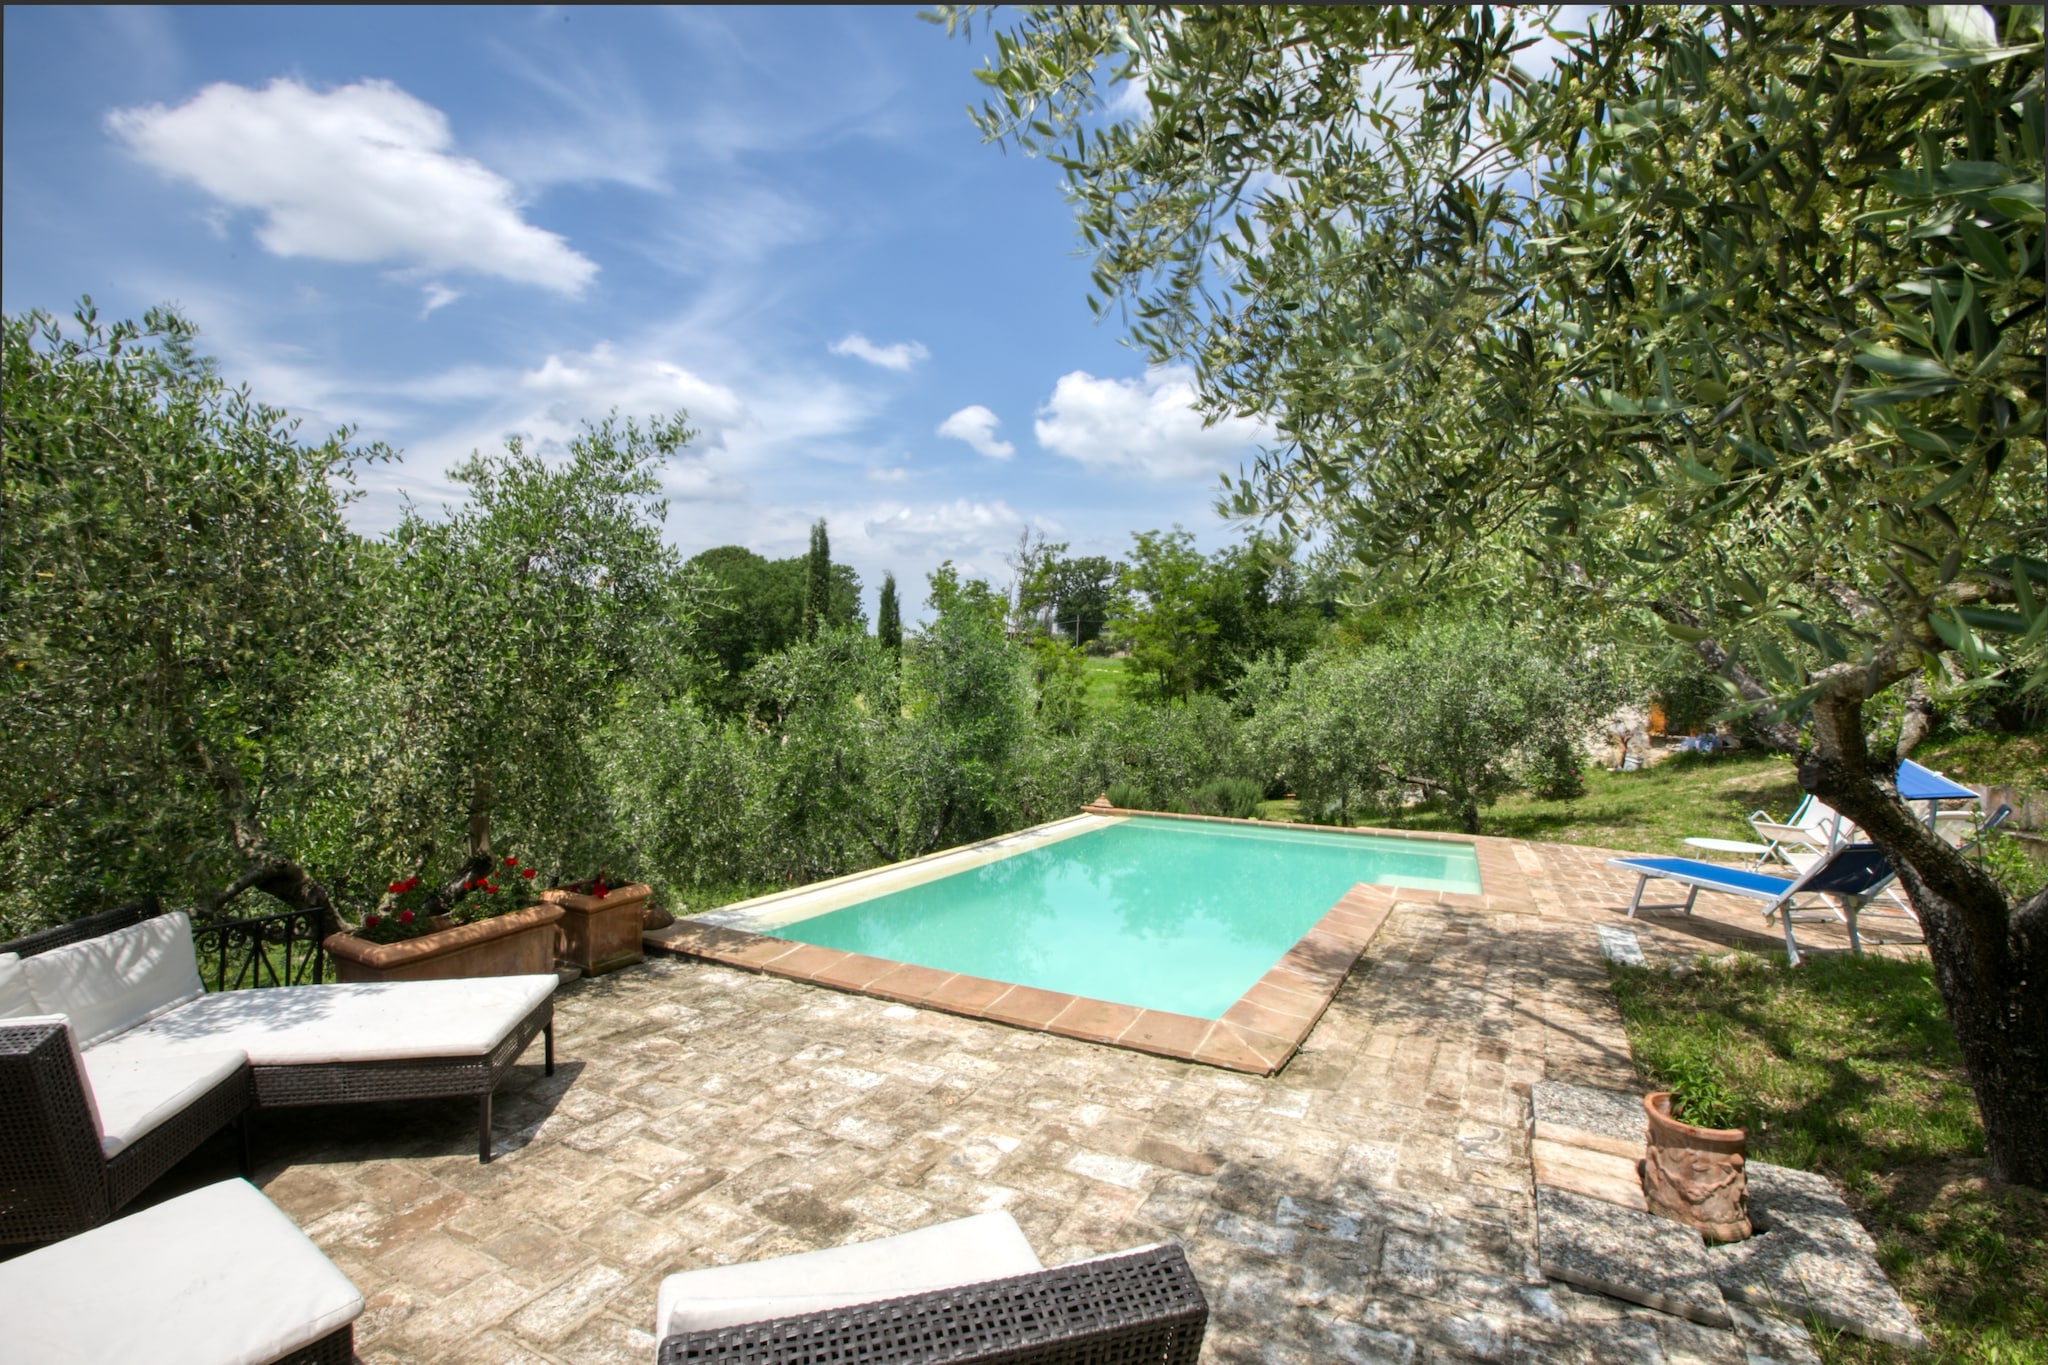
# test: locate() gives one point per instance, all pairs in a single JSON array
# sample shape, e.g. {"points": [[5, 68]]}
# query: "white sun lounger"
{"points": [[219, 1276]]}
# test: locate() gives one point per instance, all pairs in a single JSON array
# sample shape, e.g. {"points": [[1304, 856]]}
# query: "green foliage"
{"points": [[1069, 598], [817, 581], [889, 615], [1707, 359], [1699, 1092], [950, 595], [1060, 676], [1458, 710], [1162, 622], [1236, 797], [495, 640], [1128, 796], [755, 607], [174, 577]]}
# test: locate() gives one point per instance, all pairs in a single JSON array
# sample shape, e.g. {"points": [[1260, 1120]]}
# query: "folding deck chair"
{"points": [[1851, 873]]}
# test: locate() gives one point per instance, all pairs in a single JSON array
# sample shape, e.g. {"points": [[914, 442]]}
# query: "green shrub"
{"points": [[1129, 796], [1237, 797]]}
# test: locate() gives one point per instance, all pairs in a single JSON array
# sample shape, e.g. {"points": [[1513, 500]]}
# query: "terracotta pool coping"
{"points": [[1257, 1035]]}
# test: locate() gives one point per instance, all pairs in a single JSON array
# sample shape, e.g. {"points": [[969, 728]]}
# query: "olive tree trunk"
{"points": [[1990, 957]]}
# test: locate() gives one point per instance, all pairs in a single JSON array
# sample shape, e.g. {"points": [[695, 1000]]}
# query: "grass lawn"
{"points": [[1648, 811], [1846, 1065], [1105, 682], [1992, 759]]}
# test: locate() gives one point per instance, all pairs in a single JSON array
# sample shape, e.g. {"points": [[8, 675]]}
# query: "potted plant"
{"points": [[459, 928], [601, 922], [1693, 1172]]}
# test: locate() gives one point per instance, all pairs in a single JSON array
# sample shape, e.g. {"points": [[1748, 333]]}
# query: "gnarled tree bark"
{"points": [[1990, 958]]}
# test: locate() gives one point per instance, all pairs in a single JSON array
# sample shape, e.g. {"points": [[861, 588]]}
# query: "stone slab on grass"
{"points": [[1620, 946], [1768, 1339], [1609, 1121], [1581, 1170], [1629, 1255], [1813, 1258]]}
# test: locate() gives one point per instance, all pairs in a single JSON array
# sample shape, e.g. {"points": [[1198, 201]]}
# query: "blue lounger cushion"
{"points": [[1712, 876]]}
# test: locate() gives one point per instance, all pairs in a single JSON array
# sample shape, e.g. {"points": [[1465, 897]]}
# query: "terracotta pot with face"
{"points": [[1695, 1175]]}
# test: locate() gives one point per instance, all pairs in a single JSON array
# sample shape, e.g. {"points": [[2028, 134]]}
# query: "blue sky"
{"points": [[443, 226]]}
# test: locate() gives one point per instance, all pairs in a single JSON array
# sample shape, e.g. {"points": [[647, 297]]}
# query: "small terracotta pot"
{"points": [[1695, 1175], [602, 935], [519, 944]]}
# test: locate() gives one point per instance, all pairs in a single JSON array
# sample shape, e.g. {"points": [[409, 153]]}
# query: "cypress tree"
{"points": [[888, 616], [817, 581]]}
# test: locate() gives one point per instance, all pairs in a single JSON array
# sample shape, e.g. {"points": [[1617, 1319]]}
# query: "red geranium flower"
{"points": [[527, 873], [511, 862], [372, 921], [490, 888], [405, 917], [395, 887]]}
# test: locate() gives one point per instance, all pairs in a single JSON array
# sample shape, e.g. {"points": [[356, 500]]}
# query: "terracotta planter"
{"points": [[602, 935], [519, 944], [1695, 1175]]}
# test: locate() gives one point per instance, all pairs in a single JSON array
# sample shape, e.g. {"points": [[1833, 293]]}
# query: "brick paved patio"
{"points": [[1370, 1202]]}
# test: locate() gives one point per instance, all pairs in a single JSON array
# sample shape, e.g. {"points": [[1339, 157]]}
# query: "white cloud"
{"points": [[593, 383], [976, 425], [439, 296], [1149, 425], [360, 174], [897, 355], [889, 474], [964, 528]]}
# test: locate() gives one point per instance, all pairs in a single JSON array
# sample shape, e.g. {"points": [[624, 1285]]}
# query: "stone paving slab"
{"points": [[1628, 1254], [1595, 1174], [1372, 1200], [1582, 1116], [1812, 1258]]}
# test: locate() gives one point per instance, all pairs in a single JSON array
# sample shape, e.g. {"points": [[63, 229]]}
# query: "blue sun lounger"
{"points": [[1851, 874]]}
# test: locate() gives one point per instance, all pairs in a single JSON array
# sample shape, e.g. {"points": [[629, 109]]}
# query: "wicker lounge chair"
{"points": [[969, 1290], [134, 999], [216, 1277]]}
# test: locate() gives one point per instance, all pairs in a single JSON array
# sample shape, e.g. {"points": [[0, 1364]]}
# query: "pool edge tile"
{"points": [[807, 961], [960, 993], [1028, 1007], [1094, 1021], [855, 972], [1165, 1034]]}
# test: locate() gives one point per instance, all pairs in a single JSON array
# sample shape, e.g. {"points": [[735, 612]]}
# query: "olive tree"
{"points": [[1733, 311], [174, 576], [498, 638]]}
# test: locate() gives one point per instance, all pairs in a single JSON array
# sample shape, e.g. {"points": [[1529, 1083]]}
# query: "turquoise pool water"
{"points": [[1161, 914]]}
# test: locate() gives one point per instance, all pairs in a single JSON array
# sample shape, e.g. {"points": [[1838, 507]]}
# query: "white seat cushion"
{"points": [[136, 1093], [14, 993], [988, 1246], [365, 1022], [109, 984], [216, 1277]]}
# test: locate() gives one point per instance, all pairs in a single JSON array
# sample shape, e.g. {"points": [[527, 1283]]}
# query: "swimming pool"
{"points": [[1178, 916]]}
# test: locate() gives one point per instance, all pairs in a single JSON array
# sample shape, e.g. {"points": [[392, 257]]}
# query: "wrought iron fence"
{"points": [[285, 949]]}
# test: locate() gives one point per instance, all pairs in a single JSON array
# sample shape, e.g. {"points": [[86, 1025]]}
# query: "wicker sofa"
{"points": [[968, 1290], [126, 1063]]}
